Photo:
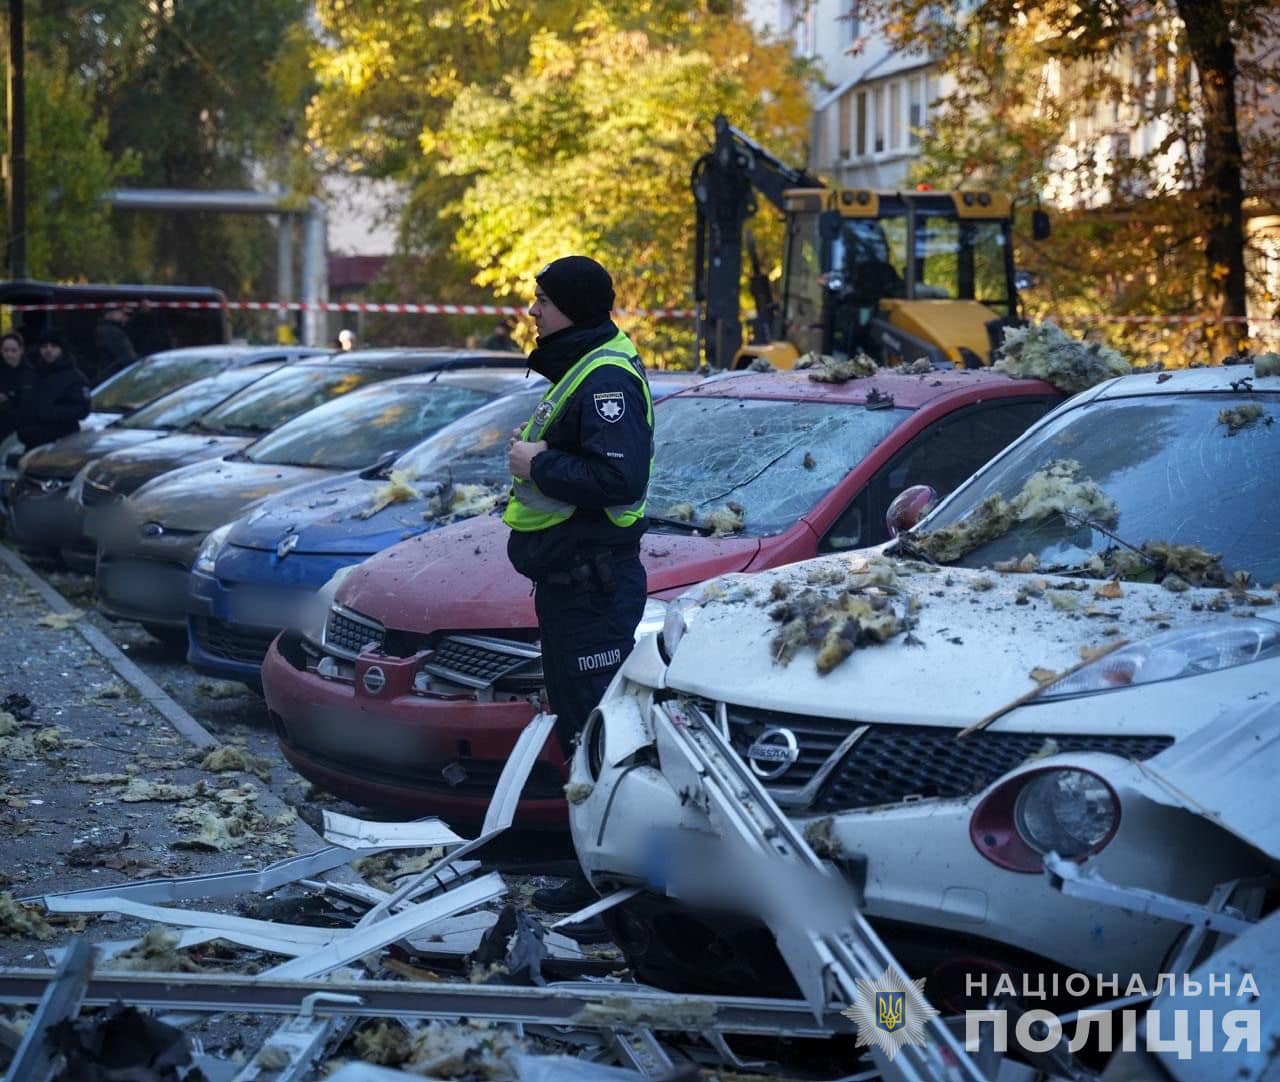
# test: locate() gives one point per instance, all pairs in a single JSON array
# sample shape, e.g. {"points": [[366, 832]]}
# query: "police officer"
{"points": [[581, 468], [54, 396]]}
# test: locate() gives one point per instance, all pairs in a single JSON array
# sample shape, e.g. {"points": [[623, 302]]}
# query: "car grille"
{"points": [[818, 739], [478, 661], [94, 494], [348, 633], [231, 642], [892, 763]]}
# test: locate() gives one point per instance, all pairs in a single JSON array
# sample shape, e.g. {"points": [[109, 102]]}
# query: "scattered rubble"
{"points": [[861, 613], [1238, 418], [1044, 351], [61, 621], [1055, 489], [220, 689], [398, 489], [824, 368], [1266, 364], [726, 520], [230, 757], [17, 919]]}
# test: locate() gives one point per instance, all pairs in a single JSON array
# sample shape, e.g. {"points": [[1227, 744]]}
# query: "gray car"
{"points": [[146, 549], [140, 383]]}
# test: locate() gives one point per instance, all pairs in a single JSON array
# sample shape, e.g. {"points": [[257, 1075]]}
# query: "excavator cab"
{"points": [[901, 276]]}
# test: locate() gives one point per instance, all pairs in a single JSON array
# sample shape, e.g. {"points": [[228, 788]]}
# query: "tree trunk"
{"points": [[1222, 197]]}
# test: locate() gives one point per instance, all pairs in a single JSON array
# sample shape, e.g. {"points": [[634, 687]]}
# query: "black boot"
{"points": [[573, 894]]}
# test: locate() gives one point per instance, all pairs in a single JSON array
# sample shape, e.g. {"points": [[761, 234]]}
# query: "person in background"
{"points": [[501, 336], [346, 340], [112, 343], [12, 369], [54, 396]]}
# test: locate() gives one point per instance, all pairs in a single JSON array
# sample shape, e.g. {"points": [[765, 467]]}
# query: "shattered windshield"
{"points": [[1146, 473], [752, 467], [353, 432], [473, 450], [184, 405], [283, 395], [152, 377]]}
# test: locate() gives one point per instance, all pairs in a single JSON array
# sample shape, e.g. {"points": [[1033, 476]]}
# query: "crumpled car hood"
{"points": [[67, 456], [459, 577], [203, 497], [977, 645], [326, 519], [127, 471]]}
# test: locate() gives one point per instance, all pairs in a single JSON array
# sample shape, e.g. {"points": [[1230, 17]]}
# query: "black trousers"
{"points": [[587, 632]]}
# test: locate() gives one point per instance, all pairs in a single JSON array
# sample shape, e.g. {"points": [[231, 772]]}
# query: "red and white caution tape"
{"points": [[512, 310], [343, 306]]}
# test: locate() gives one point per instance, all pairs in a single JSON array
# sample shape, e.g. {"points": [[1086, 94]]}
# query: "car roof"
{"points": [[246, 354], [499, 380], [1217, 379], [907, 391], [424, 359]]}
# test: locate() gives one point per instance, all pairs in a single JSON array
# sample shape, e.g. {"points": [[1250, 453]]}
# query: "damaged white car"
{"points": [[943, 713]]}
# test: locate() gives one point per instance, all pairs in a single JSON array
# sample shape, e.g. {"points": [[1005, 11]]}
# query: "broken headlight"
{"points": [[1062, 810], [1172, 655], [652, 619], [315, 611], [207, 557]]}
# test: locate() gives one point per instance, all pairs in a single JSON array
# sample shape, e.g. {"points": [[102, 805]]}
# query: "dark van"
{"points": [[155, 322]]}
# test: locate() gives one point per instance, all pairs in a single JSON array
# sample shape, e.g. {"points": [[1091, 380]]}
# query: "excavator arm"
{"points": [[725, 183]]}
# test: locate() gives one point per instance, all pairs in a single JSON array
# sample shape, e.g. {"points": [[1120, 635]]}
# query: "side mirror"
{"points": [[1040, 226], [909, 507]]}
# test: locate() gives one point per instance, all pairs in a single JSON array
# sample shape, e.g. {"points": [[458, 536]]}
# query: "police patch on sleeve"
{"points": [[610, 405]]}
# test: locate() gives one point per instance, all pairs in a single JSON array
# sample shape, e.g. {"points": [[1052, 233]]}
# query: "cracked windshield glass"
{"points": [[351, 432], [281, 396], [474, 448], [753, 466], [1127, 476], [184, 405]]}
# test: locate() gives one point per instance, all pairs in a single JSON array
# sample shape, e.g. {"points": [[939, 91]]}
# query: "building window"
{"points": [[852, 24], [895, 115], [915, 109], [877, 118], [844, 119], [860, 140]]}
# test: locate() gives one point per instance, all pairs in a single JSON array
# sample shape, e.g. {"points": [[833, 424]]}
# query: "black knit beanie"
{"points": [[579, 287]]}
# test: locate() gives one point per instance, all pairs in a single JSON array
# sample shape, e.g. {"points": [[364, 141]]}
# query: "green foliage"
{"points": [[68, 169], [589, 149]]}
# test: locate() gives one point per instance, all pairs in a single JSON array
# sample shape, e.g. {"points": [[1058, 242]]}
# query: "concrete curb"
{"points": [[304, 837]]}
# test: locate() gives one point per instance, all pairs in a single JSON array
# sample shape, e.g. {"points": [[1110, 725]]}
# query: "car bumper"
{"points": [[44, 522], [149, 583], [397, 750], [234, 615]]}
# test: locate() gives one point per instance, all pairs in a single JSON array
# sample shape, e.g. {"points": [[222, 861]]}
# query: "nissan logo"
{"points": [[773, 753], [374, 679]]}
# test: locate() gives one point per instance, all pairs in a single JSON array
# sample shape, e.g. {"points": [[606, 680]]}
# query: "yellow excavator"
{"points": [[902, 276]]}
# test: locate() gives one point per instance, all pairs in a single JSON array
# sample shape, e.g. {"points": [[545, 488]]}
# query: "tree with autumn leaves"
{"points": [[1044, 97]]}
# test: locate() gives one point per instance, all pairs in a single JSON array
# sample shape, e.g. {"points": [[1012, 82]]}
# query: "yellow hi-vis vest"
{"points": [[530, 508]]}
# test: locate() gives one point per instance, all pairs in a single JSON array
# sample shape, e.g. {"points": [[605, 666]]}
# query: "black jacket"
{"points": [[11, 380], [595, 457], [53, 400], [115, 350]]}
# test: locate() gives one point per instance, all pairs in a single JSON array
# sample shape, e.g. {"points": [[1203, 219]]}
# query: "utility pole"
{"points": [[16, 173]]}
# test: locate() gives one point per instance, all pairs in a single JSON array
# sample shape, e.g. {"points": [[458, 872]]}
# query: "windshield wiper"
{"points": [[1081, 520], [904, 546], [247, 430], [680, 524]]}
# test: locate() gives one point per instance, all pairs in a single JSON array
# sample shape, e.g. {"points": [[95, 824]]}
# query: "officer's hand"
{"points": [[520, 457]]}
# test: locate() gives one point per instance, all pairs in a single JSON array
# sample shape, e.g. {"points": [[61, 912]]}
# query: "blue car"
{"points": [[253, 575]]}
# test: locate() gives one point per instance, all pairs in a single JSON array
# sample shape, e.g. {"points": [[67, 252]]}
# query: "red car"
{"points": [[422, 665]]}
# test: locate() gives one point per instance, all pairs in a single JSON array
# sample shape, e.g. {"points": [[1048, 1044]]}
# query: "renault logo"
{"points": [[774, 752], [286, 545], [151, 529], [374, 679]]}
